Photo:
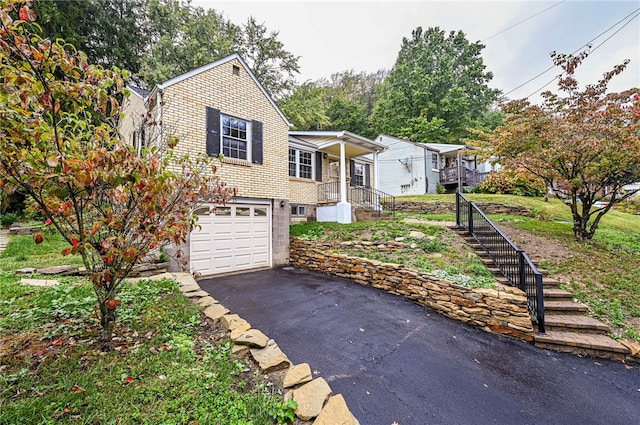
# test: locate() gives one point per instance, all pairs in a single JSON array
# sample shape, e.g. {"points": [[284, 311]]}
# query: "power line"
{"points": [[575, 51], [595, 48], [523, 21]]}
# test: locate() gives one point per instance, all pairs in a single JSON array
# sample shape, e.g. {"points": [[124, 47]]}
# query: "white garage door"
{"points": [[234, 238]]}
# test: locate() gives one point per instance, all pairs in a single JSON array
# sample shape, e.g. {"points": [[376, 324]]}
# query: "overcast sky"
{"points": [[331, 36]]}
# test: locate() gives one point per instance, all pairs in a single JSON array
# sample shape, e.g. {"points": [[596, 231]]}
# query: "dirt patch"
{"points": [[539, 249]]}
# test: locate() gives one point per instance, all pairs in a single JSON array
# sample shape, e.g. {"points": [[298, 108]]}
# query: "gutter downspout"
{"points": [[159, 115], [426, 175]]}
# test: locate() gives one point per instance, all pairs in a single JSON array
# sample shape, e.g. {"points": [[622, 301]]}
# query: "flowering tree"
{"points": [[61, 147], [585, 143]]}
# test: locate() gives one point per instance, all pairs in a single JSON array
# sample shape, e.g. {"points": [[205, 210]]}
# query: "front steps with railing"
{"points": [[567, 328]]}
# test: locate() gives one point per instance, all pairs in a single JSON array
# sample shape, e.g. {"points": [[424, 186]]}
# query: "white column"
{"points": [[375, 171], [343, 209], [343, 174]]}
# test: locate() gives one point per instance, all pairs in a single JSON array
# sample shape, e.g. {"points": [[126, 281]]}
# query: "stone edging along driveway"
{"points": [[317, 404]]}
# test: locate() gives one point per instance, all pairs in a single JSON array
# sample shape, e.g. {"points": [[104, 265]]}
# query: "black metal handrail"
{"points": [[362, 196], [329, 192], [373, 199], [513, 262]]}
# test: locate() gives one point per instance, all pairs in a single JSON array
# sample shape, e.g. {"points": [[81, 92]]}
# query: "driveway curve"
{"points": [[395, 361]]}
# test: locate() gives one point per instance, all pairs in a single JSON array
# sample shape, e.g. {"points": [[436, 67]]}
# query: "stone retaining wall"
{"points": [[450, 208], [503, 310]]}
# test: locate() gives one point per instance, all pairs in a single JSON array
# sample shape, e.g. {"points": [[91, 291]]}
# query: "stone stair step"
{"points": [[576, 323], [550, 282], [554, 293], [579, 343], [566, 307]]}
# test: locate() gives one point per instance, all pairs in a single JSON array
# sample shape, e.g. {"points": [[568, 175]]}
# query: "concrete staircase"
{"points": [[568, 328]]}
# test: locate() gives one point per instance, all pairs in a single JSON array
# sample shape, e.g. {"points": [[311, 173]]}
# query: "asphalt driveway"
{"points": [[396, 361]]}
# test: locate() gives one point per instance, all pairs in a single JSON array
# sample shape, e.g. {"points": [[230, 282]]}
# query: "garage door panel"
{"points": [[227, 243]]}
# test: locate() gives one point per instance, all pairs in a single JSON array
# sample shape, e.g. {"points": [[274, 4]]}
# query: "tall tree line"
{"points": [[159, 39], [437, 89]]}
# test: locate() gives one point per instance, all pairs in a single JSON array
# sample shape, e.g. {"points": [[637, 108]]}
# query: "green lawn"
{"points": [[170, 365]]}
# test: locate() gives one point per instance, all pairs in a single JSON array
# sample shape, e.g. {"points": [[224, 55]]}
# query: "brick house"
{"points": [[222, 108]]}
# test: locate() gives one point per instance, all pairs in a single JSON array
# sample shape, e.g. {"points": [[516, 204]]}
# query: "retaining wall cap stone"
{"points": [[336, 412], [296, 375], [311, 398], [270, 358], [215, 312], [196, 294], [252, 338], [206, 301], [189, 288]]}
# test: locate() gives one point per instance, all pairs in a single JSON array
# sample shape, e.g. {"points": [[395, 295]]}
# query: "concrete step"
{"points": [[582, 344], [556, 294], [565, 307], [575, 323]]}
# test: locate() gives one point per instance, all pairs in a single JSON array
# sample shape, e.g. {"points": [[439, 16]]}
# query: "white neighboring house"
{"points": [[410, 168]]}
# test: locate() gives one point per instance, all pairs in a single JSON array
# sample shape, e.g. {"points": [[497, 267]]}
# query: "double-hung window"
{"points": [[358, 174], [434, 161], [235, 138], [300, 164]]}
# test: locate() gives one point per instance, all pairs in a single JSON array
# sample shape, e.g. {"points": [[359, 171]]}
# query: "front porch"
{"points": [[365, 201], [471, 178], [346, 170]]}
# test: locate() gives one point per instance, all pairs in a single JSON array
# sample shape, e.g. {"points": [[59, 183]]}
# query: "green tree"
{"points": [[348, 115], [584, 143], [436, 90], [307, 108], [60, 147], [110, 32], [183, 38], [272, 65]]}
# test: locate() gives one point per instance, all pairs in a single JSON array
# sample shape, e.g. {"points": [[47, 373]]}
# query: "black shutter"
{"points": [[319, 166], [213, 132], [352, 172], [367, 175], [256, 142]]}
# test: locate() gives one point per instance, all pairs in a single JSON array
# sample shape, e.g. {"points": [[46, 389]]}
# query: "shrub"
{"points": [[510, 181]]}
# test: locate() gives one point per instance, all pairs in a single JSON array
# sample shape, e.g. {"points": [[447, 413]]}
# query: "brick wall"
{"points": [[503, 310], [184, 115], [303, 191]]}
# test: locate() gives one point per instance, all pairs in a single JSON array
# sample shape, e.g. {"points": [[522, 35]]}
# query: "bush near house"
{"points": [[513, 181]]}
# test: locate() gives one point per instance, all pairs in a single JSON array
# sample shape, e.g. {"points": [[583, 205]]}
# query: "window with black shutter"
{"points": [[234, 137]]}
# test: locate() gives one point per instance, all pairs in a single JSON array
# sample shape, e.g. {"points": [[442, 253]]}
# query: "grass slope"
{"points": [[170, 366]]}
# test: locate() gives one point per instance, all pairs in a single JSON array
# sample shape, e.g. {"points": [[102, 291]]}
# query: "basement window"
{"points": [[298, 210]]}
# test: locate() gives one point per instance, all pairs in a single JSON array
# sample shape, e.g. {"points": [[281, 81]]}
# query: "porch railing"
{"points": [[449, 175], [513, 262], [362, 196]]}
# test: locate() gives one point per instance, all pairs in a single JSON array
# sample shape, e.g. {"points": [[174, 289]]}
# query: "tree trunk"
{"points": [[107, 322]]}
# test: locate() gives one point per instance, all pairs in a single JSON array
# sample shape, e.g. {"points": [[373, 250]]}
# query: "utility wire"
{"points": [[595, 48], [523, 21], [575, 51]]}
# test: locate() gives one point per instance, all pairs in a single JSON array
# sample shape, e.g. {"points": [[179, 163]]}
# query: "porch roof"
{"points": [[329, 142]]}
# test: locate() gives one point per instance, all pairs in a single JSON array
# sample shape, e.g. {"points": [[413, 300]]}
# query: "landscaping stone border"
{"points": [[316, 401], [450, 208], [503, 310]]}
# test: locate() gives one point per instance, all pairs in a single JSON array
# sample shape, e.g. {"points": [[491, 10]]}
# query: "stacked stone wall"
{"points": [[503, 310], [450, 208]]}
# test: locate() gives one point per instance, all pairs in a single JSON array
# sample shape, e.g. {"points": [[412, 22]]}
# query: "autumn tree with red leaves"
{"points": [[584, 143], [59, 145]]}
